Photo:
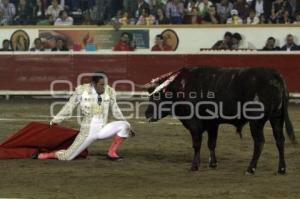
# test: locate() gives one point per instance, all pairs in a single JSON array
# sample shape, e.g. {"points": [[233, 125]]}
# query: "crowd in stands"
{"points": [[56, 45], [148, 12], [231, 41]]}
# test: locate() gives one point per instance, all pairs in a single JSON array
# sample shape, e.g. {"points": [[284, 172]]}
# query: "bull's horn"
{"points": [[145, 86]]}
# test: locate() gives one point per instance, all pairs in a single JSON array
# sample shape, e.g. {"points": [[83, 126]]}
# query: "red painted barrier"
{"points": [[35, 72]]}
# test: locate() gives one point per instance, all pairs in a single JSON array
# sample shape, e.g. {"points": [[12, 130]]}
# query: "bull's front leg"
{"points": [[212, 142], [197, 140]]}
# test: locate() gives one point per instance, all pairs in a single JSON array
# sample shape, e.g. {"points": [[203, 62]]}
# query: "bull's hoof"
{"points": [[194, 168], [213, 165], [281, 171], [250, 172]]}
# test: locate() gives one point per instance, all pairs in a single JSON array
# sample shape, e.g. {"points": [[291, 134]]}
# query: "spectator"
{"points": [[270, 45], [262, 19], [258, 6], [37, 45], [174, 11], [253, 18], [155, 5], [293, 4], [223, 9], [87, 19], [243, 9], [24, 13], [297, 20], [7, 12], [297, 10], [160, 44], [39, 16], [64, 19], [47, 3], [234, 19], [290, 44], [224, 44], [190, 5], [115, 6], [287, 18], [161, 17], [278, 11], [124, 43], [193, 18], [262, 8], [204, 7], [116, 19], [15, 2], [130, 6], [146, 18], [100, 13], [124, 20], [132, 20], [6, 45], [212, 16], [141, 5], [60, 46], [53, 11], [236, 41]]}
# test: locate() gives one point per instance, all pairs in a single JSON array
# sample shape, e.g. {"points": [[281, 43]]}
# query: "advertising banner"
{"points": [[103, 39]]}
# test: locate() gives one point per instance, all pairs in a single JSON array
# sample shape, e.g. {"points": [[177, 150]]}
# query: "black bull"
{"points": [[202, 98]]}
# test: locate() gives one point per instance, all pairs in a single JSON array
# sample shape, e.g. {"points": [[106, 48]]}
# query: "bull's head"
{"points": [[161, 96], [159, 106]]}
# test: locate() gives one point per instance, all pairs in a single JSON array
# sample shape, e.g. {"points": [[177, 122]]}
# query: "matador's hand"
{"points": [[52, 124]]}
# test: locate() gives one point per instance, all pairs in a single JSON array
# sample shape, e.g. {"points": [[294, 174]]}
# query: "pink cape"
{"points": [[38, 137]]}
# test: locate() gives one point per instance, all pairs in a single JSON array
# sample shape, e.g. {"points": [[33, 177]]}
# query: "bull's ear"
{"points": [[183, 69], [183, 84]]}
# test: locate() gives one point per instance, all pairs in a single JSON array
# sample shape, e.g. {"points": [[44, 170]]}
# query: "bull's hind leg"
{"points": [[277, 126], [211, 142], [257, 133]]}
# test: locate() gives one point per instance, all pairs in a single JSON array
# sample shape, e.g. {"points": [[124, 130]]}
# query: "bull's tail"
{"points": [[288, 124]]}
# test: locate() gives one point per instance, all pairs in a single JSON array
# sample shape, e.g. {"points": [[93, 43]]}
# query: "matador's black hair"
{"points": [[98, 75]]}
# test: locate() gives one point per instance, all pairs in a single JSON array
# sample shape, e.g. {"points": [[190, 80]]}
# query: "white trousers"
{"points": [[96, 132]]}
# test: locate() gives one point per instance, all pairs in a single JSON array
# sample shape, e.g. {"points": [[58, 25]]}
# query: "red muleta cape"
{"points": [[38, 137]]}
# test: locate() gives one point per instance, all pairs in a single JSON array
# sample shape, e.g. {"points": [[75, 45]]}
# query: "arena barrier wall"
{"points": [[191, 37], [34, 72]]}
